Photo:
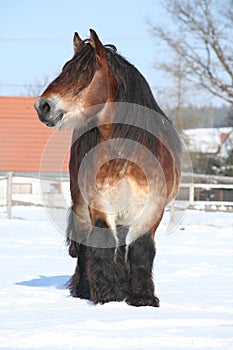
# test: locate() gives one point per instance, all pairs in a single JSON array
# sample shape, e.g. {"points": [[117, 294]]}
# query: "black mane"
{"points": [[81, 68], [151, 121], [132, 86], [145, 125]]}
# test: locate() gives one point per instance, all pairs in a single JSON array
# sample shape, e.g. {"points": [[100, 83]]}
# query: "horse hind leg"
{"points": [[106, 268], [140, 257]]}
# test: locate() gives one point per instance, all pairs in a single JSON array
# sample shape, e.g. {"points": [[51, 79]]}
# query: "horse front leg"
{"points": [[106, 268], [141, 255]]}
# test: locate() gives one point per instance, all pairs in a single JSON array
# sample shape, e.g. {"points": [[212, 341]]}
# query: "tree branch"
{"points": [[200, 45]]}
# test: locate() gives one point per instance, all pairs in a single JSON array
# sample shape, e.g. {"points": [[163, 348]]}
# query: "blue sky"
{"points": [[36, 37]]}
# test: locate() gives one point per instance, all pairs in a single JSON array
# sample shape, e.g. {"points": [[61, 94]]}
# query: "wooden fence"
{"points": [[208, 194], [19, 189]]}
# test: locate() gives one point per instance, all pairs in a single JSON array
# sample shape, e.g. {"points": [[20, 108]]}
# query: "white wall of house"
{"points": [[35, 191], [208, 141]]}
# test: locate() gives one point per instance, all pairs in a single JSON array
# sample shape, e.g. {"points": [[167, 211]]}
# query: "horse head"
{"points": [[82, 89]]}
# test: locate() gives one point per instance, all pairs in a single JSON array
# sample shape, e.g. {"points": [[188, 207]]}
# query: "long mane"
{"points": [[80, 68], [133, 90]]}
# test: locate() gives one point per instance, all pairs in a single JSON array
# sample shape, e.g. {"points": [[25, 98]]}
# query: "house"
{"points": [[227, 144], [209, 141], [37, 157], [27, 145]]}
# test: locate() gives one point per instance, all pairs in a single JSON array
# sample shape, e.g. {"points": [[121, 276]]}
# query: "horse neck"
{"points": [[105, 119]]}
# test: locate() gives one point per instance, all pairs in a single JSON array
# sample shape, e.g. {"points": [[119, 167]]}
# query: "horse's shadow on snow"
{"points": [[58, 282]]}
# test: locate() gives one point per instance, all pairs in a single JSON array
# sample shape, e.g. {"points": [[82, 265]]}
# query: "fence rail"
{"points": [[208, 194], [20, 189], [44, 190]]}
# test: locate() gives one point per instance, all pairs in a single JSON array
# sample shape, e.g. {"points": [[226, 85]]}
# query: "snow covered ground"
{"points": [[193, 275]]}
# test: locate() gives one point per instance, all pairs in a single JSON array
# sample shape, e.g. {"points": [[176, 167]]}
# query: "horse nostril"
{"points": [[45, 108], [48, 112]]}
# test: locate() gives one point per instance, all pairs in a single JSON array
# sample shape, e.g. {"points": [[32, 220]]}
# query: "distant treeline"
{"points": [[202, 117]]}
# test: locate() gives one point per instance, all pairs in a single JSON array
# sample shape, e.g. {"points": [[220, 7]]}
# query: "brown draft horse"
{"points": [[124, 169]]}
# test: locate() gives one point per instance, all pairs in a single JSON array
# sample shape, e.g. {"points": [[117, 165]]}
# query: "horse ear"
{"points": [[77, 41], [96, 44]]}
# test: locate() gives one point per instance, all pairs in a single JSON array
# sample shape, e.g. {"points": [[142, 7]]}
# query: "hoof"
{"points": [[105, 300], [137, 301]]}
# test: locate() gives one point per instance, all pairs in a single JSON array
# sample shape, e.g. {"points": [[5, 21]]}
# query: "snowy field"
{"points": [[193, 275]]}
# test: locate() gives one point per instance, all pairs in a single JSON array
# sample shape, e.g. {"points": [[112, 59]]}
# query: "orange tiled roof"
{"points": [[224, 135], [23, 138]]}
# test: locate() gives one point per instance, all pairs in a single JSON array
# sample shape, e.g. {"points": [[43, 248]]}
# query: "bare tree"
{"points": [[35, 88], [202, 40]]}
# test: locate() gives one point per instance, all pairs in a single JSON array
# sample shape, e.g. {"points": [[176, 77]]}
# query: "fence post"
{"points": [[191, 194], [9, 195]]}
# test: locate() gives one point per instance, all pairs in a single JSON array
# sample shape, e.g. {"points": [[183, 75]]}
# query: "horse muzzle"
{"points": [[47, 111]]}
